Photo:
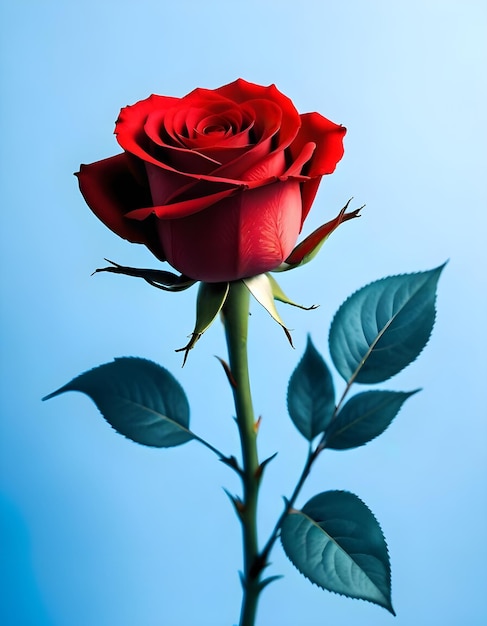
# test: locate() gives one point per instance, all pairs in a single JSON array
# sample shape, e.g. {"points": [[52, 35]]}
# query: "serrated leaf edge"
{"points": [[388, 605], [376, 340], [332, 433], [71, 387]]}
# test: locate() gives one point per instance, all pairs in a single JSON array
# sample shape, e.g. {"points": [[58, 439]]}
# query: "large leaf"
{"points": [[310, 394], [139, 398], [364, 417], [384, 326], [337, 543]]}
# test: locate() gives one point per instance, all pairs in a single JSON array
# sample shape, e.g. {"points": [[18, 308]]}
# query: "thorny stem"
{"points": [[235, 317], [235, 314]]}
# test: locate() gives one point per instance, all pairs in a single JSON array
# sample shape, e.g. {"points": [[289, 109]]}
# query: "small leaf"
{"points": [[261, 288], [384, 326], [337, 543], [364, 417], [311, 395], [210, 300], [139, 399]]}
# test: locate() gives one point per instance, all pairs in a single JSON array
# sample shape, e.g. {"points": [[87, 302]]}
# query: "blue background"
{"points": [[97, 530]]}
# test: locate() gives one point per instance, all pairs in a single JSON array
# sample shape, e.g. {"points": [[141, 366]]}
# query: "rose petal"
{"points": [[269, 168], [241, 91], [309, 190], [181, 209], [328, 137], [249, 233], [111, 191], [300, 161]]}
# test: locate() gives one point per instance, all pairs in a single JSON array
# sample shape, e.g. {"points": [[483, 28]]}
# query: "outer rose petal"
{"points": [[245, 235], [111, 190], [328, 138]]}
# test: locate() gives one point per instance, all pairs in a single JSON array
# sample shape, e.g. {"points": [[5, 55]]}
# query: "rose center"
{"points": [[214, 129]]}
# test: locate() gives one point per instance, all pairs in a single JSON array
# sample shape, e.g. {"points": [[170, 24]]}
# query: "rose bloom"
{"points": [[219, 182]]}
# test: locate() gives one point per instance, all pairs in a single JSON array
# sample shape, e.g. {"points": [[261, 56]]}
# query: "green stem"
{"points": [[235, 317]]}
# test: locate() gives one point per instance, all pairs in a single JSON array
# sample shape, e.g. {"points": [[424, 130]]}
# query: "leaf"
{"points": [[364, 417], [336, 542], [139, 399], [310, 394], [210, 300], [384, 326]]}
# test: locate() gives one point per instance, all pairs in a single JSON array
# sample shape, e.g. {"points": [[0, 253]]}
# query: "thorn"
{"points": [[236, 501], [226, 367], [260, 469], [257, 424], [232, 462], [242, 580], [269, 580]]}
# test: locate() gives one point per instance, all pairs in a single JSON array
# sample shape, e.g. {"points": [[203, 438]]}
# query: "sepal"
{"points": [[305, 251], [261, 288], [279, 295], [210, 300], [167, 281]]}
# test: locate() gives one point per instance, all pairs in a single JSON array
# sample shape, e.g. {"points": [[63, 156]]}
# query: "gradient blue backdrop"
{"points": [[98, 531]]}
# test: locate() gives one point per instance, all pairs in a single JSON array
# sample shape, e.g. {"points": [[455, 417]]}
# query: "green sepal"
{"points": [[305, 251], [210, 300], [364, 417], [167, 281], [261, 288], [280, 296], [336, 542], [139, 399]]}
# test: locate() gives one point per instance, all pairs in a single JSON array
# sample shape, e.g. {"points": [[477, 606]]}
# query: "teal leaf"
{"points": [[384, 326], [310, 394], [364, 417], [336, 542], [139, 399]]}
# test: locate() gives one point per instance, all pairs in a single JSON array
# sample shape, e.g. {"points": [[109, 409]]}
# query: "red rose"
{"points": [[218, 182]]}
